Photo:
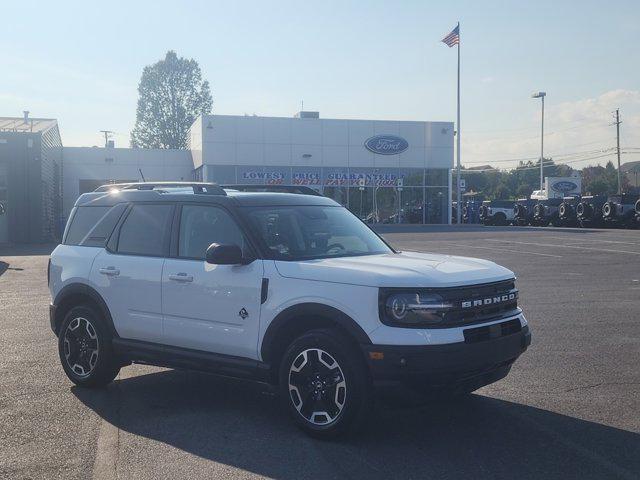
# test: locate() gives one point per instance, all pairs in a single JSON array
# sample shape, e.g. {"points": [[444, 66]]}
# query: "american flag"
{"points": [[453, 38]]}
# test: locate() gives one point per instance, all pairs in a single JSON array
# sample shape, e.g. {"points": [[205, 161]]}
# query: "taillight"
{"points": [[49, 271]]}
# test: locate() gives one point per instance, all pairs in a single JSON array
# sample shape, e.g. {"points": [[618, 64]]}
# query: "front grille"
{"points": [[490, 332], [463, 314]]}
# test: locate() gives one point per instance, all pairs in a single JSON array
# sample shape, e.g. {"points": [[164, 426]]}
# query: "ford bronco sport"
{"points": [[292, 290]]}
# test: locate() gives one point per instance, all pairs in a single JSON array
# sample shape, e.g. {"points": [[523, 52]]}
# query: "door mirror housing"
{"points": [[218, 254]]}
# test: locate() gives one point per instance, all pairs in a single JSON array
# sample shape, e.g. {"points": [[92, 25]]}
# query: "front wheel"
{"points": [[324, 384], [84, 345]]}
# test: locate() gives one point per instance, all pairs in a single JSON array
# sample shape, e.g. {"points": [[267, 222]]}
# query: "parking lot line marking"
{"points": [[605, 250], [505, 250], [105, 464], [596, 240]]}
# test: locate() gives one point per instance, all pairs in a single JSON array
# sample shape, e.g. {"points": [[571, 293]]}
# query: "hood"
{"points": [[405, 269]]}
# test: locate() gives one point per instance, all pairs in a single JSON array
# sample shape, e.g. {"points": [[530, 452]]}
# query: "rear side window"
{"points": [[91, 226], [145, 231]]}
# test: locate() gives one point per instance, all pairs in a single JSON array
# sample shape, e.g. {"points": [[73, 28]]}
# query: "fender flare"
{"points": [[309, 310], [87, 291]]}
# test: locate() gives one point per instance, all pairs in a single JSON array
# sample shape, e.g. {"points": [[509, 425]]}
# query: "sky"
{"points": [[80, 62]]}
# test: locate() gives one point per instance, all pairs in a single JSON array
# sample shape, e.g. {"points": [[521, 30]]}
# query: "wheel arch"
{"points": [[80, 294], [295, 320]]}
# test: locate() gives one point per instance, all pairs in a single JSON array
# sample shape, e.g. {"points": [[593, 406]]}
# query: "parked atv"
{"points": [[589, 211], [523, 212], [620, 210], [470, 212], [496, 212], [545, 212], [567, 216]]}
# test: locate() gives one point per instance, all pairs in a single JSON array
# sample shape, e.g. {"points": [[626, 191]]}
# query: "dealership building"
{"points": [[383, 171]]}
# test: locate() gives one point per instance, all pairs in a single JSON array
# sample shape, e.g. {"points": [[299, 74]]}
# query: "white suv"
{"points": [[291, 290]]}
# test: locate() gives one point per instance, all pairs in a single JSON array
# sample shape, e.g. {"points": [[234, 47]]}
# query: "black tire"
{"points": [[330, 371], [89, 351], [500, 219]]}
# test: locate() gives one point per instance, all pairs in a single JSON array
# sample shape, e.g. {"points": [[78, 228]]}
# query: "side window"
{"points": [[83, 221], [145, 230], [202, 225], [99, 234]]}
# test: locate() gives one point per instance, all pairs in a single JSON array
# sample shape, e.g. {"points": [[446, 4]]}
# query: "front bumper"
{"points": [[484, 357]]}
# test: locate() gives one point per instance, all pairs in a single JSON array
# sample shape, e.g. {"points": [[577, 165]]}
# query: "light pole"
{"points": [[541, 96]]}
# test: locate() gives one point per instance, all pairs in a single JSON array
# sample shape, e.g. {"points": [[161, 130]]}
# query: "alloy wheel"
{"points": [[81, 346], [317, 386]]}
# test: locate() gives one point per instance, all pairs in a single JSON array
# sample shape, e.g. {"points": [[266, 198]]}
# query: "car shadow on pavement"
{"points": [[26, 249], [3, 267], [233, 423]]}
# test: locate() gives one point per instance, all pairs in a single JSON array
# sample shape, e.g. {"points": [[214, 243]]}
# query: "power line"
{"points": [[505, 160], [557, 156], [547, 163]]}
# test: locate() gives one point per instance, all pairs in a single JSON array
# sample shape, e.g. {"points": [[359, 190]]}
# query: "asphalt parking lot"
{"points": [[569, 409]]}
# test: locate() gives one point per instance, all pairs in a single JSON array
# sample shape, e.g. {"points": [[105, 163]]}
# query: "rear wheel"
{"points": [[324, 384], [84, 346]]}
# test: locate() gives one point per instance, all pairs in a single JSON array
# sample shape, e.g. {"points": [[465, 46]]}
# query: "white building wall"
{"points": [[271, 141], [120, 164], [226, 140]]}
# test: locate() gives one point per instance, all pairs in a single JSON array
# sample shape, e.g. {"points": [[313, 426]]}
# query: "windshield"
{"points": [[313, 231]]}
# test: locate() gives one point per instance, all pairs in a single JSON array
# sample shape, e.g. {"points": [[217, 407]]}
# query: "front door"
{"points": [[214, 308]]}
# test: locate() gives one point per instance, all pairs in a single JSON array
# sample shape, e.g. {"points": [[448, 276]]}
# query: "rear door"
{"points": [[214, 308], [128, 274]]}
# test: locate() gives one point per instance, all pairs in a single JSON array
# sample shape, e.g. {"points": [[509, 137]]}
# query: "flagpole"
{"points": [[459, 209]]}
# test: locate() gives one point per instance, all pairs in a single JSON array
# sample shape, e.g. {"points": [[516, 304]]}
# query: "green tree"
{"points": [[598, 187], [171, 96]]}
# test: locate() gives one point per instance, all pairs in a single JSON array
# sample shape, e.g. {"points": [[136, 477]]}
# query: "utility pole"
{"points": [[617, 124], [541, 96], [107, 134]]}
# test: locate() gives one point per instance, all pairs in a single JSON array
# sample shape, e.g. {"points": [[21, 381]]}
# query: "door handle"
{"points": [[111, 271], [181, 277]]}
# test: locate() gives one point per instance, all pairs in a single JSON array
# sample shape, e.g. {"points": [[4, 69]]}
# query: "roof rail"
{"points": [[197, 187], [299, 189]]}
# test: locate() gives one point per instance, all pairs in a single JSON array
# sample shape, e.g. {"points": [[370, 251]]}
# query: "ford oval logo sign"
{"points": [[386, 144], [564, 186]]}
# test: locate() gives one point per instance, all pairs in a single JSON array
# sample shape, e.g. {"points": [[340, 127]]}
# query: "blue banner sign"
{"points": [[307, 178], [564, 186], [268, 178]]}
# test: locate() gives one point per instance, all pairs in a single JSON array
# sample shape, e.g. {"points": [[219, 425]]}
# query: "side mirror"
{"points": [[225, 255]]}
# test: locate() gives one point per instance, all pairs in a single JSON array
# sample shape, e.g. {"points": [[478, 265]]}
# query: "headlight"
{"points": [[412, 309]]}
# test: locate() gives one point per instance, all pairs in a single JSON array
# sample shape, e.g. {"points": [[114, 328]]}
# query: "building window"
{"points": [[376, 195]]}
